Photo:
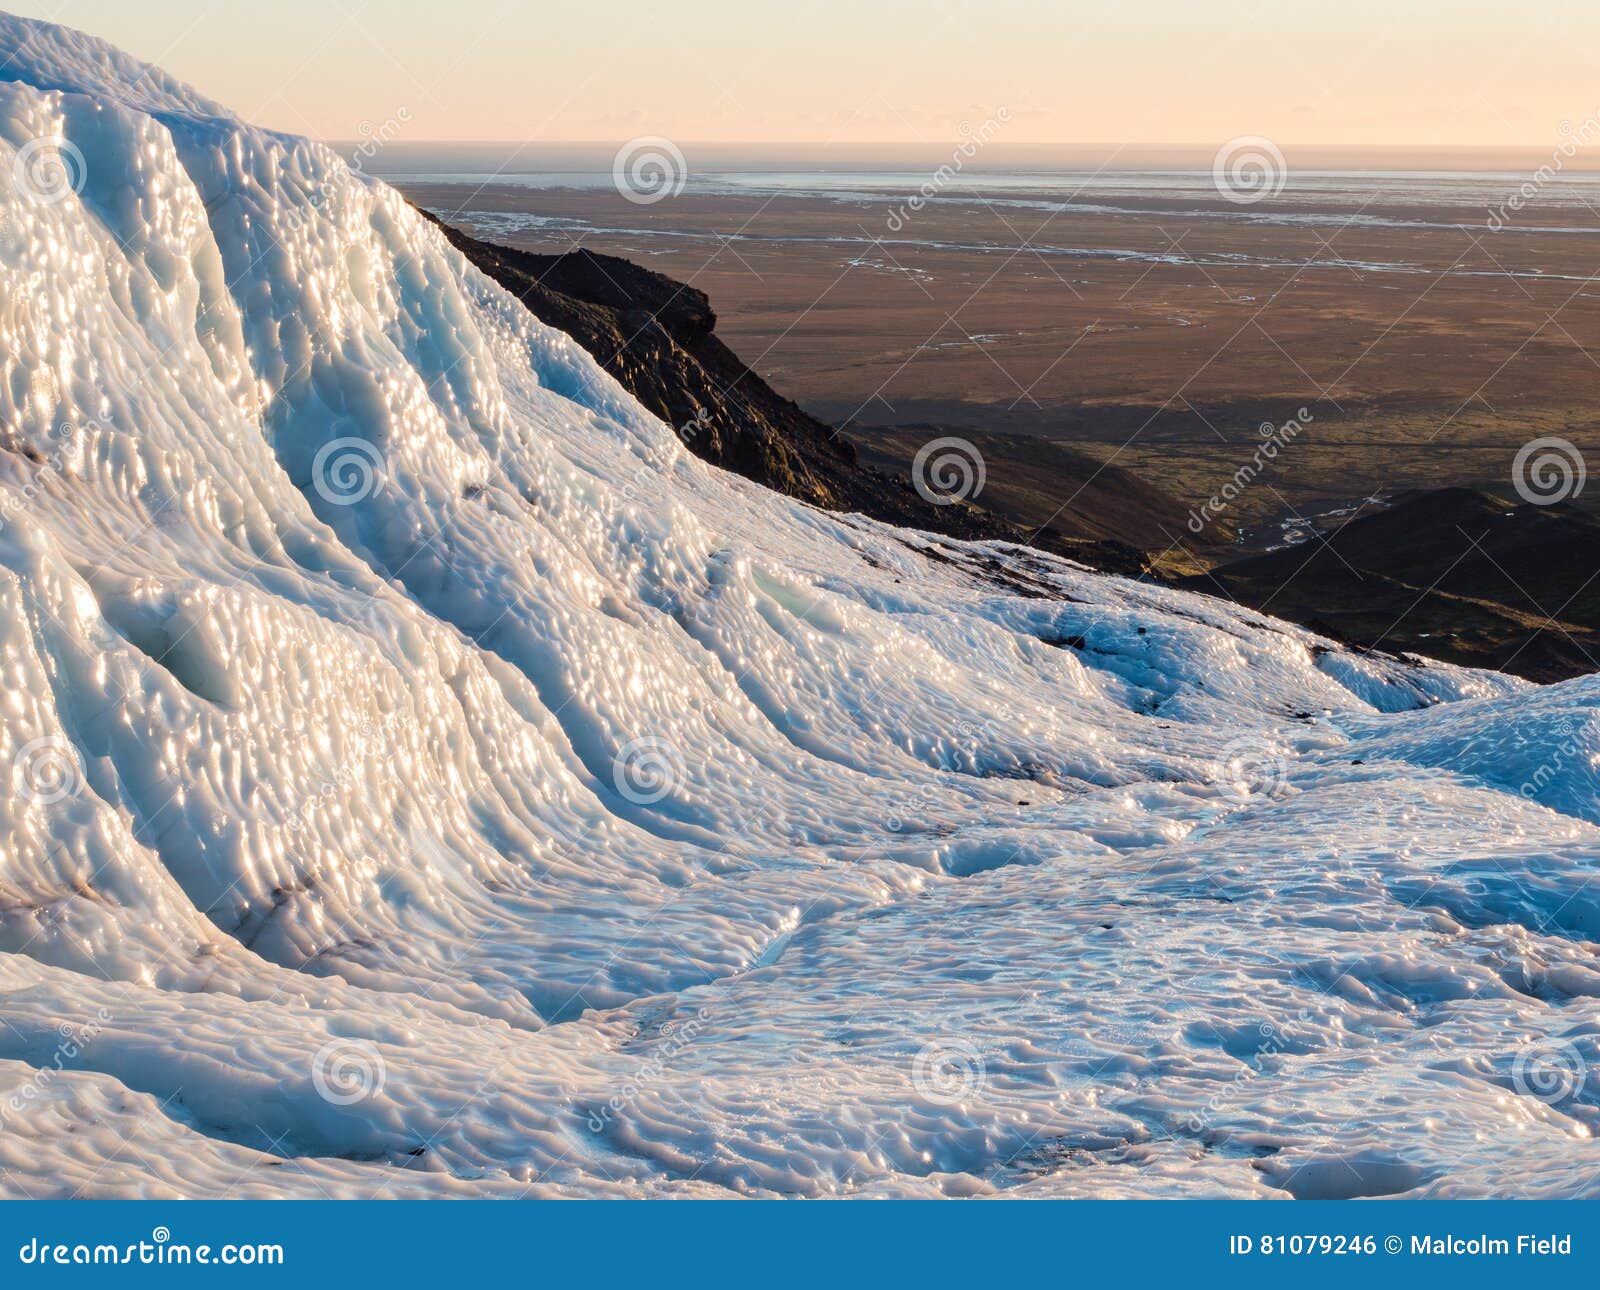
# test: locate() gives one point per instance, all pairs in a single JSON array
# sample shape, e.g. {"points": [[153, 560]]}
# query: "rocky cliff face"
{"points": [[657, 336]]}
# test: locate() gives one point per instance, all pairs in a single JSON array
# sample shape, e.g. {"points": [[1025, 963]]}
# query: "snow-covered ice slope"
{"points": [[425, 778]]}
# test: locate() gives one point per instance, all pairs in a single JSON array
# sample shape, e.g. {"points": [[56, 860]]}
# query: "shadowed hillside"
{"points": [[1454, 574]]}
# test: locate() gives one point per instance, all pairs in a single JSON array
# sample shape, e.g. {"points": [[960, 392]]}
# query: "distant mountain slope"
{"points": [[1453, 573], [656, 336], [1037, 483]]}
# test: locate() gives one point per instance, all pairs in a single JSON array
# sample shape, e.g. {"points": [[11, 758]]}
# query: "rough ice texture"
{"points": [[427, 779]]}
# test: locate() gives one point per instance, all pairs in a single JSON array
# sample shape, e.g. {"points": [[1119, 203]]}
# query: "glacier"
{"points": [[429, 779]]}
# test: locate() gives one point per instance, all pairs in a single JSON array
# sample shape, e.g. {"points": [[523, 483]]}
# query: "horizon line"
{"points": [[612, 141]]}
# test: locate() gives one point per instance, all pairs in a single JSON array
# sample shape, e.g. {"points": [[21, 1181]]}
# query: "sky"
{"points": [[1355, 73]]}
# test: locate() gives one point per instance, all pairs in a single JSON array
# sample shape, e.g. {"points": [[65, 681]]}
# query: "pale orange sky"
{"points": [[1355, 72]]}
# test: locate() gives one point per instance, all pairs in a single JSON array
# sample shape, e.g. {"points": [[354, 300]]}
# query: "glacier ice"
{"points": [[428, 779]]}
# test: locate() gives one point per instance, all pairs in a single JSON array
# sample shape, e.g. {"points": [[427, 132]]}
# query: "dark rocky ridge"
{"points": [[1451, 573], [1036, 482], [657, 337]]}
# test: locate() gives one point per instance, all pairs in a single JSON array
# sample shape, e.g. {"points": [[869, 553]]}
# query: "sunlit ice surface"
{"points": [[429, 779]]}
